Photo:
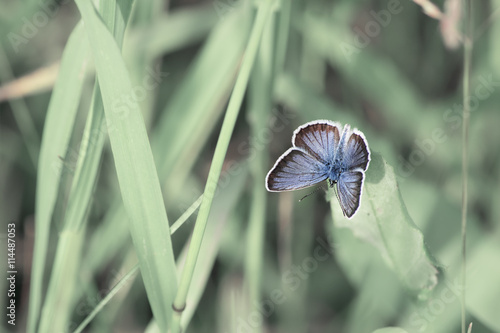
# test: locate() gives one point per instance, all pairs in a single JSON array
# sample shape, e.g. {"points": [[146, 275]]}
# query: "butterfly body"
{"points": [[321, 151]]}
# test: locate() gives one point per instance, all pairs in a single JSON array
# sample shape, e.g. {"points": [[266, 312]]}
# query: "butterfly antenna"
{"points": [[316, 190]]}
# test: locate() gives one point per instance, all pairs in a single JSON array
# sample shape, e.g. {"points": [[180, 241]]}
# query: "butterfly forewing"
{"points": [[356, 153], [294, 170], [349, 191], [319, 139]]}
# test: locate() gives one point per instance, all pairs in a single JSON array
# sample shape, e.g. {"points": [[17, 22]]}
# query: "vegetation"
{"points": [[136, 137]]}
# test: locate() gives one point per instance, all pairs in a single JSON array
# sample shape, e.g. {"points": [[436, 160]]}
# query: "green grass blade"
{"points": [[62, 279], [135, 168], [123, 281], [384, 222], [190, 26], [219, 155], [21, 113], [56, 136], [175, 226], [390, 330], [211, 75], [223, 206], [466, 95], [260, 105]]}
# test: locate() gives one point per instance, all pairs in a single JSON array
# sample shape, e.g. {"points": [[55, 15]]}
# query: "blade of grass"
{"points": [[468, 45], [390, 330], [179, 304], [57, 132], [260, 96], [183, 218], [190, 26], [86, 174], [107, 298], [21, 114], [57, 307], [212, 76], [135, 169], [223, 206], [285, 14], [198, 113], [175, 226]]}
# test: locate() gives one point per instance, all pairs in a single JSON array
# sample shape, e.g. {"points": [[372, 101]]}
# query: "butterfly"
{"points": [[321, 151]]}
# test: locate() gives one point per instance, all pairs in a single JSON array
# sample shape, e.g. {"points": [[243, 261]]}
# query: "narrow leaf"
{"points": [[135, 168]]}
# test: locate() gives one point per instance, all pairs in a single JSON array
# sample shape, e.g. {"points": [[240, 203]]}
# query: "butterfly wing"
{"points": [[356, 152], [319, 139], [295, 169], [349, 191]]}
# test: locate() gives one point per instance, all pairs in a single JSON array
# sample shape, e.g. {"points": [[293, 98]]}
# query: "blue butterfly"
{"points": [[321, 151]]}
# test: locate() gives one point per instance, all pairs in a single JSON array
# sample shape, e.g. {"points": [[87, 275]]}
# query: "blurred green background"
{"points": [[268, 262]]}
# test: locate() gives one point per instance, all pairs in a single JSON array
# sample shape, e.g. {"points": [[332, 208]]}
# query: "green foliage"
{"points": [[383, 221], [176, 114]]}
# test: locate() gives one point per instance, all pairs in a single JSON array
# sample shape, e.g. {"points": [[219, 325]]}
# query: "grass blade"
{"points": [[56, 136], [260, 105], [468, 44], [107, 299], [220, 153], [62, 280], [135, 168]]}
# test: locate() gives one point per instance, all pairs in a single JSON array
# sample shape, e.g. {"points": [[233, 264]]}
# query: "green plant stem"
{"points": [[465, 139], [260, 104], [107, 298], [219, 155]]}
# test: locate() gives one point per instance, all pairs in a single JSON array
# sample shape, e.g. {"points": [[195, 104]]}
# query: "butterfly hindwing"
{"points": [[349, 191], [295, 169]]}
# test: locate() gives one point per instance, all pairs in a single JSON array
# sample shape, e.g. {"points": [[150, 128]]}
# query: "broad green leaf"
{"points": [[483, 287], [135, 168], [384, 222], [371, 277]]}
